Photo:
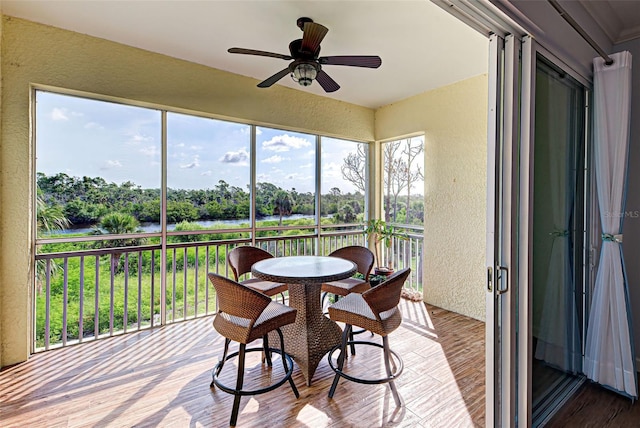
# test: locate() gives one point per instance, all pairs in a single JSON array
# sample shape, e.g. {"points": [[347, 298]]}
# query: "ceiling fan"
{"points": [[307, 64]]}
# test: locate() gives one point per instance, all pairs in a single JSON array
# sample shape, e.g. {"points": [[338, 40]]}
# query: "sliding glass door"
{"points": [[536, 235], [553, 238], [557, 316], [502, 230], [536, 223]]}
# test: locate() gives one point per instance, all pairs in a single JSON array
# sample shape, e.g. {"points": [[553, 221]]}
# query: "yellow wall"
{"points": [[1, 297], [38, 54], [454, 120]]}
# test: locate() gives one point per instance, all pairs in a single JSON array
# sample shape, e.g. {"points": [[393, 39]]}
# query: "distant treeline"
{"points": [[85, 200]]}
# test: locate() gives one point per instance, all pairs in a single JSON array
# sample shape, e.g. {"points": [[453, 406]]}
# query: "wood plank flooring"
{"points": [[593, 406], [161, 377]]}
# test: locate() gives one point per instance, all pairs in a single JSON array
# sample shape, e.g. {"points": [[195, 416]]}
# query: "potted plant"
{"points": [[381, 232]]}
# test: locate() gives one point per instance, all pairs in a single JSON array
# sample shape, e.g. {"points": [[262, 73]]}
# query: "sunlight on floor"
{"points": [[310, 414]]}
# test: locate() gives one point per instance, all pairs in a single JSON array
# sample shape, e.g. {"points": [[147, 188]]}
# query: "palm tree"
{"points": [[117, 224], [281, 204], [49, 220]]}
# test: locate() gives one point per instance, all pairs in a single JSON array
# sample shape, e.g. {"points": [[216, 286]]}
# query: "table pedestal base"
{"points": [[312, 335]]}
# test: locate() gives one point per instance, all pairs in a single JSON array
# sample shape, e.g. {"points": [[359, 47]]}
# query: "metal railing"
{"points": [[89, 294]]}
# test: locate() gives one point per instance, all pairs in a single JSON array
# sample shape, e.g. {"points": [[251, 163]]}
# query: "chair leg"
{"points": [[221, 363], [387, 359], [285, 366], [322, 299], [353, 346], [343, 353], [239, 382], [283, 299], [266, 353]]}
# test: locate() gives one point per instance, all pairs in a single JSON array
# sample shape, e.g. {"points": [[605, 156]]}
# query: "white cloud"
{"points": [[331, 170], [110, 164], [194, 164], [275, 159], [241, 157], [207, 173], [196, 148], [285, 143], [298, 177], [93, 125], [59, 114], [151, 151], [137, 139]]}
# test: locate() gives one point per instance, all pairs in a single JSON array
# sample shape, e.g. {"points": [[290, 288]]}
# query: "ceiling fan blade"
{"points": [[258, 53], [312, 36], [327, 83], [273, 79], [369, 61]]}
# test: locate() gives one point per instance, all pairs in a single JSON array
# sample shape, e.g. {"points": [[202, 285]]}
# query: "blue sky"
{"points": [[83, 137]]}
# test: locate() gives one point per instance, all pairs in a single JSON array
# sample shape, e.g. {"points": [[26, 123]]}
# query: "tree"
{"points": [[353, 169], [412, 150], [399, 157], [281, 204], [117, 223], [181, 211], [48, 219], [393, 182], [264, 196], [346, 214]]}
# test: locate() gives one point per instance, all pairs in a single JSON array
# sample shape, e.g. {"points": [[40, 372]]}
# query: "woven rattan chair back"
{"points": [[241, 259], [361, 256], [357, 310], [238, 300], [386, 296], [243, 316]]}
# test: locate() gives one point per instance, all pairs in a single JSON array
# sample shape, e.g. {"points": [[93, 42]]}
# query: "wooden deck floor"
{"points": [[161, 378], [594, 406]]}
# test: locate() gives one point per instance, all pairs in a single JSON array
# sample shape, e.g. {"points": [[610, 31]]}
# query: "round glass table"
{"points": [[313, 334]]}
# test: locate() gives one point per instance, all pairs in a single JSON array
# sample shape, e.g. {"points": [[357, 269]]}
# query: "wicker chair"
{"points": [[241, 259], [243, 316], [375, 310], [363, 259]]}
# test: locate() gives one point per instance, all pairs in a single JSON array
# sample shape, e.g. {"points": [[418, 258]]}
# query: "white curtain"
{"points": [[558, 331], [609, 354]]}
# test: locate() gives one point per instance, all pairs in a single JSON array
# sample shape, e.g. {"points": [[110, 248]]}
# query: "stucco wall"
{"points": [[38, 54], [454, 120], [1, 169]]}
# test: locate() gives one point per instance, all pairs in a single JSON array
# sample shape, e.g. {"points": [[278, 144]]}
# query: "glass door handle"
{"points": [[499, 289]]}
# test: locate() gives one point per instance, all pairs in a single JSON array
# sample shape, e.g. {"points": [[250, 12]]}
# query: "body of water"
{"points": [[155, 227]]}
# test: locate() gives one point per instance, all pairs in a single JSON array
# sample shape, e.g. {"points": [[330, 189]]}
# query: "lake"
{"points": [[155, 227]]}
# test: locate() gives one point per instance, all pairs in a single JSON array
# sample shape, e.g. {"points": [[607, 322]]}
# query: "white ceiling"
{"points": [[422, 47], [620, 19]]}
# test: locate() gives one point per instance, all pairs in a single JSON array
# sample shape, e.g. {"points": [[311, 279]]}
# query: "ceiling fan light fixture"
{"points": [[307, 64], [304, 73]]}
